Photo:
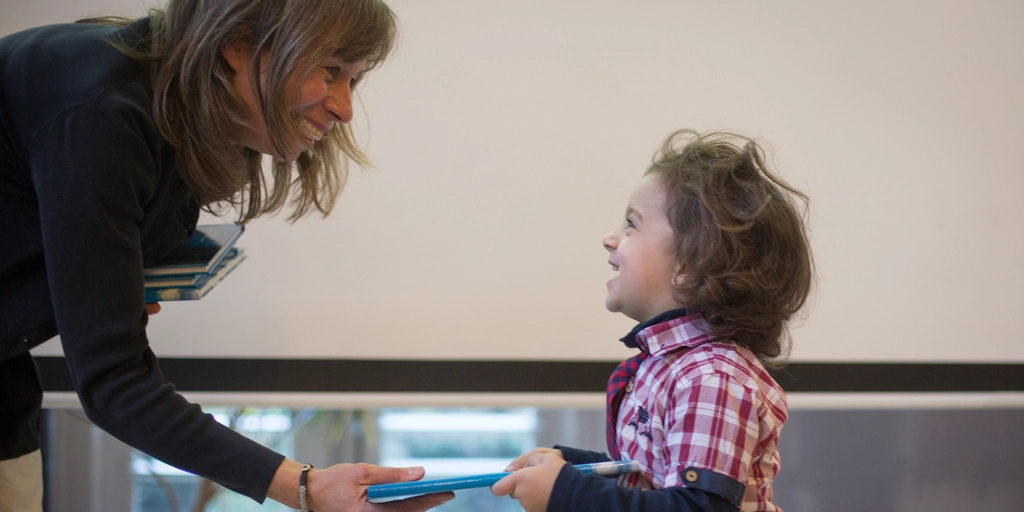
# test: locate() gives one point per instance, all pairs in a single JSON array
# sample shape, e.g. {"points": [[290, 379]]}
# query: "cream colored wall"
{"points": [[508, 135]]}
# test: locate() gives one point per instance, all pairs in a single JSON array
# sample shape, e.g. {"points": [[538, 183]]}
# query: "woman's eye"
{"points": [[332, 71]]}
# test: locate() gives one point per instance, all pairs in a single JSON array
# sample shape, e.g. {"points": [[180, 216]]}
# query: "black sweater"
{"points": [[89, 194]]}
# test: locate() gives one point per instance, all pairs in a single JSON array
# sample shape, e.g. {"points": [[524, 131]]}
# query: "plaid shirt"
{"points": [[697, 402]]}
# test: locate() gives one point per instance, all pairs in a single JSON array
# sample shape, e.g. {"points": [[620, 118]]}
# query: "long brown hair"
{"points": [[197, 109], [740, 238]]}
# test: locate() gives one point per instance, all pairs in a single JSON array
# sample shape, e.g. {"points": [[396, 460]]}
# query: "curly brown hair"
{"points": [[740, 238]]}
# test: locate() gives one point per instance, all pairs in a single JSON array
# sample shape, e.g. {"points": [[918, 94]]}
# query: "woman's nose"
{"points": [[339, 103]]}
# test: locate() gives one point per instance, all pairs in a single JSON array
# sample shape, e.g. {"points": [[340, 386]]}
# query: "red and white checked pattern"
{"points": [[702, 403]]}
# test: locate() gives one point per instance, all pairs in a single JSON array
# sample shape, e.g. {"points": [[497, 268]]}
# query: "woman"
{"points": [[114, 135]]}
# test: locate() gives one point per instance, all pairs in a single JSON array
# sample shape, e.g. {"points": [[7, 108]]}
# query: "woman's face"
{"points": [[319, 100]]}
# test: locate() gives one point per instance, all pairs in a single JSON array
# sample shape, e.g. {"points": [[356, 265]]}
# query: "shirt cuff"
{"points": [[715, 483]]}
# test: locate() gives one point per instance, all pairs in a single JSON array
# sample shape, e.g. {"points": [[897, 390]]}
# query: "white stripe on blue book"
{"points": [[232, 258]]}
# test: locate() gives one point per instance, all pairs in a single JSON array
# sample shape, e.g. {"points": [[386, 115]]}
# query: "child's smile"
{"points": [[641, 250]]}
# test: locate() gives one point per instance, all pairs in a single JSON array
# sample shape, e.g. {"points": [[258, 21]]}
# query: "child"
{"points": [[712, 260]]}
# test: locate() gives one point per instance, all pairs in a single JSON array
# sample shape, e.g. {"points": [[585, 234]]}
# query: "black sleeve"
{"points": [[578, 492], [577, 456], [93, 171]]}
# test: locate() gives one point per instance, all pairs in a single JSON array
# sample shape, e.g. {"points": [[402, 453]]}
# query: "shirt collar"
{"points": [[631, 339], [669, 331]]}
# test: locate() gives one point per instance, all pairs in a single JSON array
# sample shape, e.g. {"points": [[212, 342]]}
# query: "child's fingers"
{"points": [[531, 486], [505, 486], [520, 461], [537, 458]]}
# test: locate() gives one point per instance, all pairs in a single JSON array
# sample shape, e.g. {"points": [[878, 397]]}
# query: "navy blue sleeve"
{"points": [[578, 492], [577, 456]]}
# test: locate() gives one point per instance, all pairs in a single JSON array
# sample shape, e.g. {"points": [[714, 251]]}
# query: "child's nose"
{"points": [[610, 241]]}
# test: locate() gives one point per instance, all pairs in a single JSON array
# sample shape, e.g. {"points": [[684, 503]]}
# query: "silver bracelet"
{"points": [[302, 487]]}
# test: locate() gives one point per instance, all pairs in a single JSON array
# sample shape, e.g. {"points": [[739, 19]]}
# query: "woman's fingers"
{"points": [[417, 504]]}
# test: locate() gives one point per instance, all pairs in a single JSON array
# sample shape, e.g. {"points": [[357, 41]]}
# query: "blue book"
{"points": [[200, 253], [386, 492], [231, 259], [174, 281]]}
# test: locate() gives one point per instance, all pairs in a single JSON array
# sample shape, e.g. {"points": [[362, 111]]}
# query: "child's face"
{"points": [[641, 250]]}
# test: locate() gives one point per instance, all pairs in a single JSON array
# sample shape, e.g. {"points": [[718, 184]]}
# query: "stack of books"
{"points": [[191, 270]]}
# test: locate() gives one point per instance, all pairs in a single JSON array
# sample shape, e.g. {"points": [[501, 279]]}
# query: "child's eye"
{"points": [[629, 223]]}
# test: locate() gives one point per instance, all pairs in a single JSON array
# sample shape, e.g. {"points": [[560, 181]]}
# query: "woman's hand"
{"points": [[532, 484], [152, 308], [342, 488]]}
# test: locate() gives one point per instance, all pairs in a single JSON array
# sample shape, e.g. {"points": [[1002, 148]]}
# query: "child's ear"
{"points": [[680, 277], [679, 280]]}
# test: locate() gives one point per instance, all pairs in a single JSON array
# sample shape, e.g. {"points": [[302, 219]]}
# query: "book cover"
{"points": [[200, 253], [231, 259], [386, 492], [174, 281]]}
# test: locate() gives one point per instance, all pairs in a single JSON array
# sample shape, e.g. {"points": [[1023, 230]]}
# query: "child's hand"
{"points": [[532, 484], [520, 461]]}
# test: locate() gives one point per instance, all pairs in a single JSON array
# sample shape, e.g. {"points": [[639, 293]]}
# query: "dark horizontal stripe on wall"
{"points": [[346, 375], [900, 377]]}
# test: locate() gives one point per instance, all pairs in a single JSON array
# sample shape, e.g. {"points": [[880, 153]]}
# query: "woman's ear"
{"points": [[238, 53]]}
